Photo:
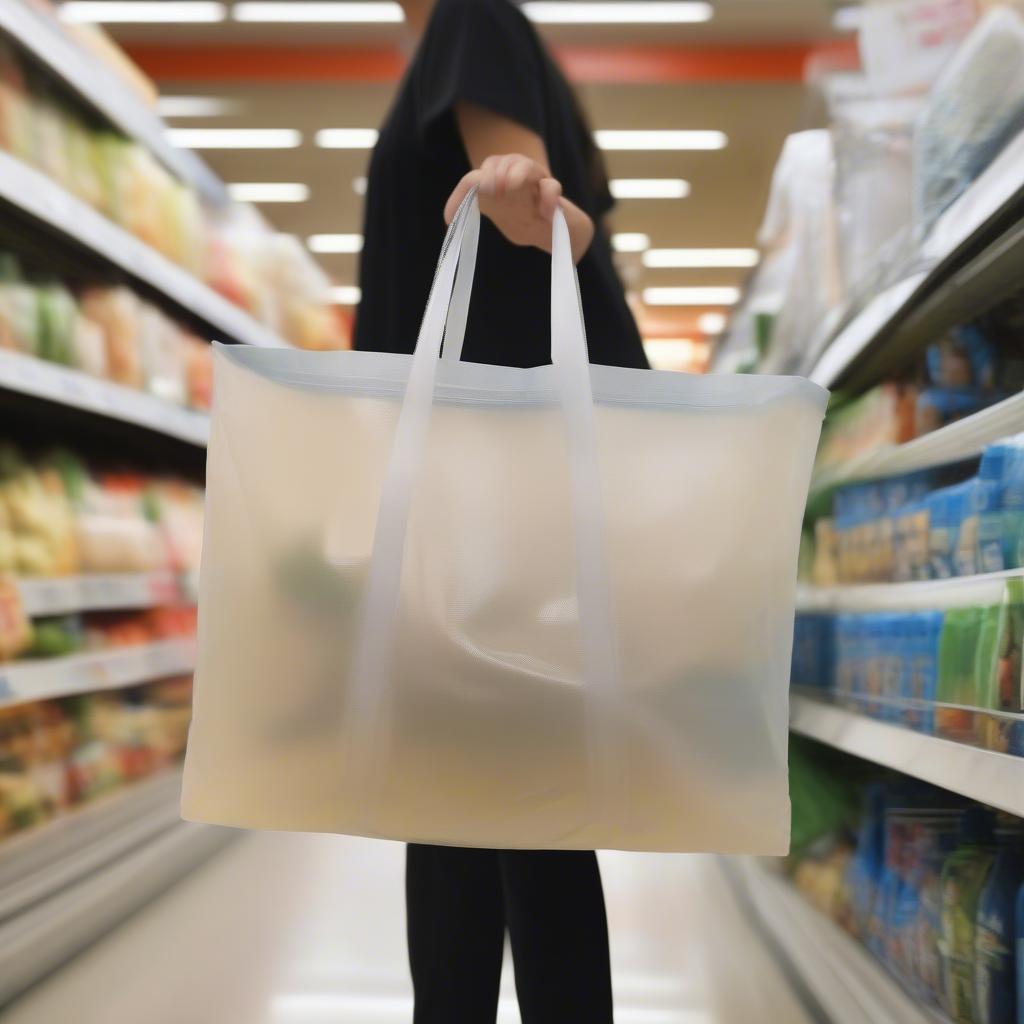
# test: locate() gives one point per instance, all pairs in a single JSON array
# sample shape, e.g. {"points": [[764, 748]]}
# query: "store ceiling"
{"points": [[739, 73]]}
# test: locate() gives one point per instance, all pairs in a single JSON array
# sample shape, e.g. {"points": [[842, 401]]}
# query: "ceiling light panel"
{"points": [[711, 323], [691, 296], [142, 11], [635, 12], [319, 13], [347, 138], [195, 106], [630, 241], [660, 140], [346, 295], [269, 191], [235, 138], [694, 258], [335, 243], [649, 188]]}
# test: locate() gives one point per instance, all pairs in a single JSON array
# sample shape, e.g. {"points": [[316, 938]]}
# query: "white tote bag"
{"points": [[451, 603]]}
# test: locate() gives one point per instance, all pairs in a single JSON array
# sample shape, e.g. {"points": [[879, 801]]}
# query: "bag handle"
{"points": [[372, 658]]}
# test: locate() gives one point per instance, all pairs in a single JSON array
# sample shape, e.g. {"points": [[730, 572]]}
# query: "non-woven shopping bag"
{"points": [[545, 608]]}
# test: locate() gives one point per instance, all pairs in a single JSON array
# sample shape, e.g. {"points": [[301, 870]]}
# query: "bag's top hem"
{"points": [[384, 374]]}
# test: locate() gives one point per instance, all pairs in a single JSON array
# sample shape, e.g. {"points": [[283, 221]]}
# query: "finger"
{"points": [[488, 175], [460, 192], [550, 197], [505, 165], [521, 172]]}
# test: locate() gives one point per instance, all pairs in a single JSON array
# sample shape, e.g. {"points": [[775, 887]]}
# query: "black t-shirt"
{"points": [[483, 52]]}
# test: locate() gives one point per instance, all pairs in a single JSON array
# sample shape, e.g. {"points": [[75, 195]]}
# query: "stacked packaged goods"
{"points": [[931, 884], [853, 208], [969, 369], [231, 249], [58, 518], [108, 332], [56, 755]]}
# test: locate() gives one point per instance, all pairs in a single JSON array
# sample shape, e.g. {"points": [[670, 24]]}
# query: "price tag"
{"points": [[6, 689]]}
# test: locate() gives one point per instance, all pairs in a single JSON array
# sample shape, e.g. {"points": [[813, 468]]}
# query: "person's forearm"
{"points": [[517, 192]]}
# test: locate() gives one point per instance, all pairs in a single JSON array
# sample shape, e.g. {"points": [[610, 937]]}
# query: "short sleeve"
{"points": [[483, 52]]}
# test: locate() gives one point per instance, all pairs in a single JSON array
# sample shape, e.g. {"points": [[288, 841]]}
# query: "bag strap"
{"points": [[375, 640], [458, 310]]}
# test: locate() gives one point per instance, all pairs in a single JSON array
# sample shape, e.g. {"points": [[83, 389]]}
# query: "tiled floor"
{"points": [[287, 929]]}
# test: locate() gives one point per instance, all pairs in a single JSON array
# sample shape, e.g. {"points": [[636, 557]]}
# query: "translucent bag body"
{"points": [[480, 606]]}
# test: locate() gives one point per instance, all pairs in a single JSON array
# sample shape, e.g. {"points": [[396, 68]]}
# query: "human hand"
{"points": [[519, 195]]}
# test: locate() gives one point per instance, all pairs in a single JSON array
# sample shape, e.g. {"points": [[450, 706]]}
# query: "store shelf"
{"points": [[846, 982], [99, 670], [971, 260], [97, 592], [983, 775], [41, 861], [65, 883], [102, 89], [37, 379], [963, 439], [35, 194], [924, 595]]}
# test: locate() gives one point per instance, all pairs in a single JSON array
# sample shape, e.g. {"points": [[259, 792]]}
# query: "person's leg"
{"points": [[554, 905], [456, 931]]}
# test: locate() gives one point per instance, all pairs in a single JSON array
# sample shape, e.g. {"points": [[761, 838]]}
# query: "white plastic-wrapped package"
{"points": [[905, 44], [974, 109], [481, 606], [873, 143], [800, 271]]}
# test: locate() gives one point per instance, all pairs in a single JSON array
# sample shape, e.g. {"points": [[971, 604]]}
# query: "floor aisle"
{"points": [[289, 929]]}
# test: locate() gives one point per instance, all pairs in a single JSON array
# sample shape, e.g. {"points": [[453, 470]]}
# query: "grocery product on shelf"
{"points": [[58, 517], [996, 934], [15, 628], [231, 248], [872, 139], [971, 367], [973, 110], [955, 672], [932, 524], [964, 874], [106, 332], [797, 284], [57, 754], [926, 880], [908, 138]]}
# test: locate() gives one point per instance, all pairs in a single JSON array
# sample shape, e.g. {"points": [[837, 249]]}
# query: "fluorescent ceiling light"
{"points": [[346, 138], [312, 13], [139, 11], [194, 106], [711, 323], [634, 12], [235, 138], [335, 243], [649, 188], [346, 295], [848, 18], [700, 258], [359, 186], [630, 241], [691, 296], [653, 140], [269, 191], [671, 353]]}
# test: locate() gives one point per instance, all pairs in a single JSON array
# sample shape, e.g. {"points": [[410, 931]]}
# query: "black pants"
{"points": [[460, 902]]}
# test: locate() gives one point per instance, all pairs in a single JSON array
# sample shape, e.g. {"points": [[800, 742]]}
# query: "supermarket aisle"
{"points": [[286, 929]]}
